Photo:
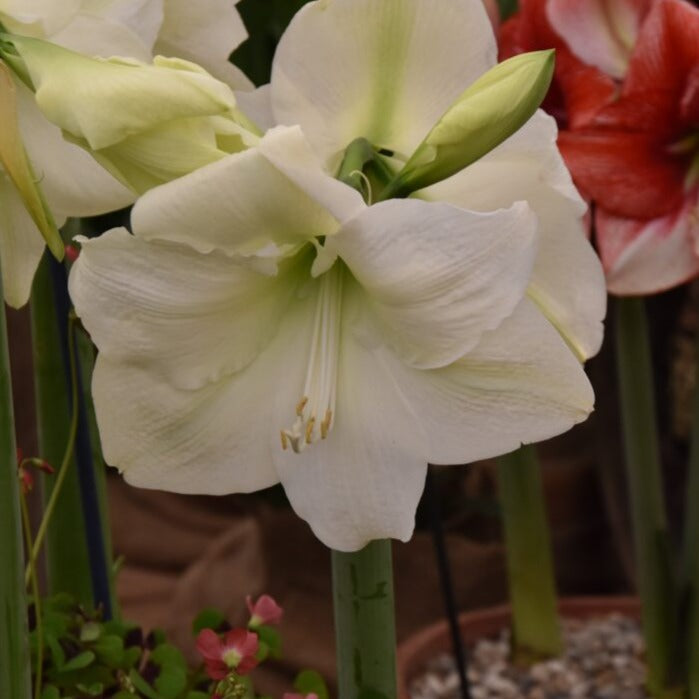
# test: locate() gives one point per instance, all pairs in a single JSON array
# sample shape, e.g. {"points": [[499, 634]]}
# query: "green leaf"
{"points": [[79, 662], [310, 681], [57, 654], [110, 651], [271, 638], [92, 690], [171, 681], [196, 695], [143, 686], [166, 654], [50, 692], [208, 619]]}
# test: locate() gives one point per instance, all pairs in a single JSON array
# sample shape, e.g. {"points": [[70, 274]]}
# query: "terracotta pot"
{"points": [[418, 649]]}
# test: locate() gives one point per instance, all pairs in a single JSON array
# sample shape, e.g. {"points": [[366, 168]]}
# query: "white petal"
{"points": [[205, 32], [567, 282], [246, 201], [438, 276], [37, 17], [72, 181], [521, 384], [294, 158], [188, 317], [21, 245], [365, 480], [214, 440], [257, 106], [142, 17], [383, 69], [601, 33], [101, 36]]}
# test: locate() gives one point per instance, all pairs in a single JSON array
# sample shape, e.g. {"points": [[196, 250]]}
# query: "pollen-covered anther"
{"points": [[318, 396]]}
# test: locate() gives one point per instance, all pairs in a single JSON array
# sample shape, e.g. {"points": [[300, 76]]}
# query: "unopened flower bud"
{"points": [[492, 109]]}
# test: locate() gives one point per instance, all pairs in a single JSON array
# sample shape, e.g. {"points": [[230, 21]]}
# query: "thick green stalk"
{"points": [[15, 678], [68, 562], [536, 631], [691, 547], [648, 517], [365, 622]]}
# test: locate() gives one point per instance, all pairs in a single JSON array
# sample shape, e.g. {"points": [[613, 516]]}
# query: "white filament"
{"points": [[315, 411]]}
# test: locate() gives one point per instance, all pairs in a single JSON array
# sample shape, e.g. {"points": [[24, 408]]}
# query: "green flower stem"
{"points": [[651, 542], [365, 622], [15, 673], [36, 598], [67, 558], [691, 548], [64, 468], [536, 631]]}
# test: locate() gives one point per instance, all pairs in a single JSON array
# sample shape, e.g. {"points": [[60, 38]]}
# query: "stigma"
{"points": [[315, 410]]}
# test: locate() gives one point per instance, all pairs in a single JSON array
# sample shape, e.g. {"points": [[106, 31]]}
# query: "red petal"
{"points": [[599, 32], [217, 670], [666, 53], [645, 257], [209, 645], [628, 174], [586, 89]]}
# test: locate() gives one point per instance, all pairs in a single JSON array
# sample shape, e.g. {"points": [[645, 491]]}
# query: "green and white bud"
{"points": [[489, 111], [146, 123]]}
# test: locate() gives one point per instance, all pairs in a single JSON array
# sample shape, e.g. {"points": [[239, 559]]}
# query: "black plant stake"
{"points": [[435, 515], [83, 454]]}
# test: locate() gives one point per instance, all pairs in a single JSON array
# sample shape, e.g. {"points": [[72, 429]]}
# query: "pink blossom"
{"points": [[264, 611], [293, 695], [236, 651]]}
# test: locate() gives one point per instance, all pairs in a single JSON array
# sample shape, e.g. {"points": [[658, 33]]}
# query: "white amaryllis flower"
{"points": [[264, 324], [72, 182]]}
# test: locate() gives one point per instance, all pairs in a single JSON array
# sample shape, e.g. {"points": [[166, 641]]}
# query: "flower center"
{"points": [[231, 657], [315, 411]]}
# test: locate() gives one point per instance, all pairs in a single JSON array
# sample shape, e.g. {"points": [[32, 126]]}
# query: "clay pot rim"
{"points": [[486, 622]]}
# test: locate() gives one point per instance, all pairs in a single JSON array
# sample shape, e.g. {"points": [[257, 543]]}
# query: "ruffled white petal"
{"points": [[205, 32], [436, 276], [521, 384], [365, 480], [189, 318], [214, 440], [567, 282], [247, 204], [21, 245], [383, 69]]}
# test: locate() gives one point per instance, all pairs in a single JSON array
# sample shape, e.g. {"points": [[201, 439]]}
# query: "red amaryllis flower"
{"points": [[264, 611], [580, 86], [236, 651], [638, 158]]}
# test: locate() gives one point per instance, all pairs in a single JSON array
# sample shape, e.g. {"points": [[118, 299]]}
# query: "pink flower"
{"points": [[236, 651], [293, 695], [264, 611]]}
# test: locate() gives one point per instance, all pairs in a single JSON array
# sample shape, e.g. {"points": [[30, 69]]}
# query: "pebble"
{"points": [[603, 660]]}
